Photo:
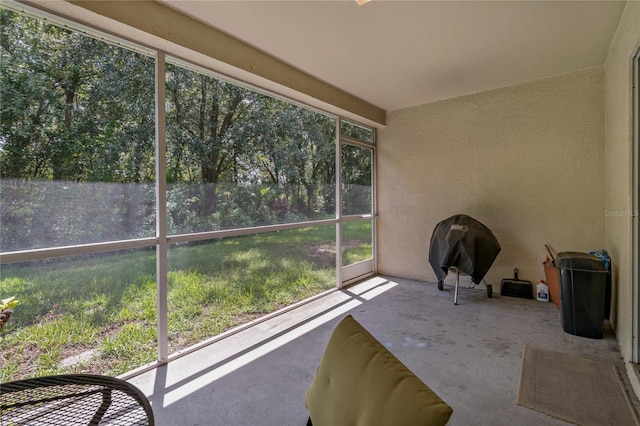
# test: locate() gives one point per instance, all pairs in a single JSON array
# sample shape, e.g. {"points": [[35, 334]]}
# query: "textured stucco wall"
{"points": [[618, 166], [525, 160]]}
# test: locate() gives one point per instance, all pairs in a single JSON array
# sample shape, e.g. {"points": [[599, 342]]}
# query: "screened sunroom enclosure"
{"points": [[149, 204]]}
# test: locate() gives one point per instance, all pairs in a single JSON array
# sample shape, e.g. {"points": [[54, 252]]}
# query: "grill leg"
{"points": [[455, 294]]}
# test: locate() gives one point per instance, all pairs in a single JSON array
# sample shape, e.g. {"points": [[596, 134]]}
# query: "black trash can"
{"points": [[582, 293]]}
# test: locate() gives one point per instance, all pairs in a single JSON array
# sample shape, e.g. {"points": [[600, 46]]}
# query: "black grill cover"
{"points": [[465, 243]]}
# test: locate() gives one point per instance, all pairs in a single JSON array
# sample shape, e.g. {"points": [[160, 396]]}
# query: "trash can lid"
{"points": [[581, 261]]}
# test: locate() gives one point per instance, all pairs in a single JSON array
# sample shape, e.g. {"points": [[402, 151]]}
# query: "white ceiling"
{"points": [[396, 54]]}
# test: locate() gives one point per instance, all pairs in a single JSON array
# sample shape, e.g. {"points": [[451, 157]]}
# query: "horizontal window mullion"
{"points": [[47, 253], [38, 254], [356, 142]]}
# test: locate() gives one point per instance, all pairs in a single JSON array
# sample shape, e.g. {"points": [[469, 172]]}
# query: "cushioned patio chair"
{"points": [[360, 383]]}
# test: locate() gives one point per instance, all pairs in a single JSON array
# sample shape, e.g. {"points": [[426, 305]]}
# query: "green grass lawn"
{"points": [[103, 307]]}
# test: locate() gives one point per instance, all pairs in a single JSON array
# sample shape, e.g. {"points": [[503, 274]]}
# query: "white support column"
{"points": [[374, 204], [161, 210], [338, 206], [635, 222]]}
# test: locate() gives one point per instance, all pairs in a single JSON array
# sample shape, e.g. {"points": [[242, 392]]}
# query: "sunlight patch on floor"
{"points": [[180, 378]]}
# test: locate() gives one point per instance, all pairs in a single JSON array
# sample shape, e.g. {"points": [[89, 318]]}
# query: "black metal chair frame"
{"points": [[52, 395]]}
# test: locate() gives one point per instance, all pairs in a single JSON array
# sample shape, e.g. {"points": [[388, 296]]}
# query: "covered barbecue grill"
{"points": [[464, 244]]}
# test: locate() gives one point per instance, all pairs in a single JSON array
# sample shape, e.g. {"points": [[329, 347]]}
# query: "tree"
{"points": [[219, 133], [298, 150], [74, 110], [81, 109]]}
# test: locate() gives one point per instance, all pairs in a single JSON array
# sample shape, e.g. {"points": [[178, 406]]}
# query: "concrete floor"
{"points": [[469, 354]]}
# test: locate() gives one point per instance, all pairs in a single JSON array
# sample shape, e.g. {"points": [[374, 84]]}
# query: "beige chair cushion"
{"points": [[360, 383]]}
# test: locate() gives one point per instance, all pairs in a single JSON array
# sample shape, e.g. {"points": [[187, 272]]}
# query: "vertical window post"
{"points": [[161, 209], [338, 206], [635, 221]]}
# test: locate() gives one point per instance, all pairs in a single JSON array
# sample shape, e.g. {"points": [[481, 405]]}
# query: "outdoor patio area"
{"points": [[469, 354]]}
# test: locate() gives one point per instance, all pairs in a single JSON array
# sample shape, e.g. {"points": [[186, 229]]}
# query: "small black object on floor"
{"points": [[516, 288]]}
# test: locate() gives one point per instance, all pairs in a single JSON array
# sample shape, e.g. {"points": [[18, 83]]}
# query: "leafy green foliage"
{"points": [[8, 303], [6, 310], [80, 109]]}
